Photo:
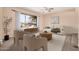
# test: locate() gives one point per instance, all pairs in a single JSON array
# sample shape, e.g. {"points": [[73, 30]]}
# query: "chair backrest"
{"points": [[31, 30], [32, 42], [18, 34]]}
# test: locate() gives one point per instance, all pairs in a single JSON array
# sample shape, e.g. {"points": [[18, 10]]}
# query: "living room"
{"points": [[62, 19]]}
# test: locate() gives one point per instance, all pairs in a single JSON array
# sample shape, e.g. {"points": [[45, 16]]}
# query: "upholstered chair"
{"points": [[32, 43]]}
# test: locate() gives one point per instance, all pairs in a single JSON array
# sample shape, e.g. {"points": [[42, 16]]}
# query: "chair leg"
{"points": [[23, 48], [44, 48]]}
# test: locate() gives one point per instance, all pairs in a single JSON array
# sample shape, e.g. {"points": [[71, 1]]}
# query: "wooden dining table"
{"points": [[73, 37]]}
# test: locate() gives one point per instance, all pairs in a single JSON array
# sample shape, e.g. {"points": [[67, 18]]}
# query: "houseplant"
{"points": [[5, 25]]}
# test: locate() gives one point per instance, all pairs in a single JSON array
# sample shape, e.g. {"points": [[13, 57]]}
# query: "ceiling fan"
{"points": [[48, 9]]}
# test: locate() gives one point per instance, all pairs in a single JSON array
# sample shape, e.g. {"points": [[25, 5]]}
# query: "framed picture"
{"points": [[55, 20]]}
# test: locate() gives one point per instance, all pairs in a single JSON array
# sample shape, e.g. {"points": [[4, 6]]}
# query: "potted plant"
{"points": [[6, 23]]}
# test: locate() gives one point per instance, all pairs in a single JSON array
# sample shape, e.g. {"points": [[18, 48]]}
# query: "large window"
{"points": [[28, 20]]}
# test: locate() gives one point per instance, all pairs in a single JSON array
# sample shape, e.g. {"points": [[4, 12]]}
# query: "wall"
{"points": [[69, 19], [41, 22], [1, 20], [11, 12], [77, 10], [8, 13], [66, 18], [27, 11]]}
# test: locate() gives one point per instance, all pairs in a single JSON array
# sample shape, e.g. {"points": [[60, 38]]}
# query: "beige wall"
{"points": [[7, 12], [1, 20], [42, 22], [27, 11], [66, 18], [77, 10]]}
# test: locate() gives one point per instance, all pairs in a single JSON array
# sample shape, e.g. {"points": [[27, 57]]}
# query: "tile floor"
{"points": [[56, 44]]}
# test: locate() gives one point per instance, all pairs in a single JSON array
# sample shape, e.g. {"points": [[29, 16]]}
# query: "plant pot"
{"points": [[6, 37]]}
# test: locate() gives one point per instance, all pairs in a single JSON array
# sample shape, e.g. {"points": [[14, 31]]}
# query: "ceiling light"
{"points": [[48, 9]]}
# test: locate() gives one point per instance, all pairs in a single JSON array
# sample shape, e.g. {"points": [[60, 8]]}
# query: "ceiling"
{"points": [[45, 10]]}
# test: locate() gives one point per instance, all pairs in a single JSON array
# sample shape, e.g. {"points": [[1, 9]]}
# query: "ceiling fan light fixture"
{"points": [[48, 9]]}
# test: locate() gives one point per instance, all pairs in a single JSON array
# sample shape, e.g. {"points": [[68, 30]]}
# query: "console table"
{"points": [[48, 35], [31, 30]]}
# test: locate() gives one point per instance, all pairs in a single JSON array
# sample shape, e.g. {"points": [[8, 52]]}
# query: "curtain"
{"points": [[38, 21], [18, 24]]}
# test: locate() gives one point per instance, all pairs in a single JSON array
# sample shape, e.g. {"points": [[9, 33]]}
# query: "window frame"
{"points": [[31, 22]]}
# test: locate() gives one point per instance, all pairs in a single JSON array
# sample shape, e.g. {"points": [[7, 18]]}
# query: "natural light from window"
{"points": [[28, 20]]}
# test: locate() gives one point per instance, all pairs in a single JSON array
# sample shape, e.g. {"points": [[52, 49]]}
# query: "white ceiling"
{"points": [[42, 10]]}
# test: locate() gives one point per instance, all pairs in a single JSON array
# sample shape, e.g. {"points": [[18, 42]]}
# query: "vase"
{"points": [[6, 37]]}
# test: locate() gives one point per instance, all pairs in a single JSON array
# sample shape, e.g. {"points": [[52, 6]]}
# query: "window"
{"points": [[28, 20], [55, 21]]}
